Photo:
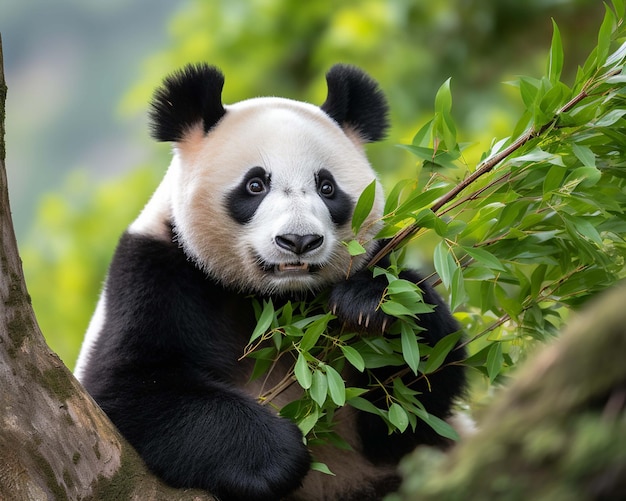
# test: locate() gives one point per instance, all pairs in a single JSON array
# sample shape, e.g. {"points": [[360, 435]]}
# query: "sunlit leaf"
{"points": [[264, 321], [555, 62], [363, 206], [355, 248], [604, 36], [444, 263]]}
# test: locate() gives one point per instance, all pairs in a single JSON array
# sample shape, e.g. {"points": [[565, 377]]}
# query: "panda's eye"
{"points": [[326, 189], [256, 186]]}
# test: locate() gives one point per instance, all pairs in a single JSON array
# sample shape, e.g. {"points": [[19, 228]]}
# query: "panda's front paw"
{"points": [[356, 303], [266, 465]]}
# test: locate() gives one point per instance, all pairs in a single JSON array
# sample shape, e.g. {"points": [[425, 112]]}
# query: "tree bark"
{"points": [[55, 442]]}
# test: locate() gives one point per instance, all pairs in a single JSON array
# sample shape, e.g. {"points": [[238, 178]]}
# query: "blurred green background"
{"points": [[80, 75]]}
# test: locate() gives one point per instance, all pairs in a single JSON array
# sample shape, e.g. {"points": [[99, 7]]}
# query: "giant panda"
{"points": [[257, 201]]}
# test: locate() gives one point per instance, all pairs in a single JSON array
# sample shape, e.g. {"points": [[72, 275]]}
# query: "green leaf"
{"points": [[457, 289], [321, 467], [264, 321], [618, 6], [484, 257], [410, 346], [363, 206], [538, 155], [354, 357], [439, 158], [438, 424], [611, 118], [302, 372], [365, 405], [393, 199], [584, 154], [397, 310], [309, 421], [554, 99], [422, 138], [440, 351], [319, 387], [398, 417], [529, 88], [552, 181], [604, 36], [616, 59], [355, 248], [443, 98], [422, 200], [336, 386], [494, 361], [444, 125], [555, 62], [313, 332], [445, 264], [286, 313], [585, 176]]}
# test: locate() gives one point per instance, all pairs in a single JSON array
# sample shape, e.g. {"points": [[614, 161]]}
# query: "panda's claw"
{"points": [[384, 327]]}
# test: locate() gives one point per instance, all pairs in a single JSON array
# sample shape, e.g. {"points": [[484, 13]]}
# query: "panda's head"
{"points": [[261, 193]]}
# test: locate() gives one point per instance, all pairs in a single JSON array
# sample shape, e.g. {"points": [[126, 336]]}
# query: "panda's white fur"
{"points": [[258, 200]]}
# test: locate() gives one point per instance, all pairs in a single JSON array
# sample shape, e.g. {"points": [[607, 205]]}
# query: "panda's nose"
{"points": [[299, 244]]}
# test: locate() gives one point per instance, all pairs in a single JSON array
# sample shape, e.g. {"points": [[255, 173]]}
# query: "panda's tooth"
{"points": [[293, 267]]}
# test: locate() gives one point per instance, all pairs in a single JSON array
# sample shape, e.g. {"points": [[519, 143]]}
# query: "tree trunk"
{"points": [[55, 442]]}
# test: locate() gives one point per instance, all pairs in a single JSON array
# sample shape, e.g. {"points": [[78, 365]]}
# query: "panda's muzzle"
{"points": [[298, 246]]}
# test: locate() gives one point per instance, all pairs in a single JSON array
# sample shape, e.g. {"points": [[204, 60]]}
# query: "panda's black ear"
{"points": [[355, 101], [187, 97]]}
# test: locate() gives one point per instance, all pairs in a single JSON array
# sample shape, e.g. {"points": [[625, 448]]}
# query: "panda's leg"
{"points": [[215, 438]]}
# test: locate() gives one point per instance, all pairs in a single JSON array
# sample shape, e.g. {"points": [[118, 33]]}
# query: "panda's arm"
{"points": [[356, 303], [165, 371], [211, 437]]}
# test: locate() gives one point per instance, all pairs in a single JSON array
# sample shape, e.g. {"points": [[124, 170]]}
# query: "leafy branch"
{"points": [[490, 163], [529, 234]]}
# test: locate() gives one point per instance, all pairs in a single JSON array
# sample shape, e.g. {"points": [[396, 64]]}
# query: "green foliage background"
{"points": [[283, 47]]}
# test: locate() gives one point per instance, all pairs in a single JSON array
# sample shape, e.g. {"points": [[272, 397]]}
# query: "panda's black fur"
{"points": [[163, 355]]}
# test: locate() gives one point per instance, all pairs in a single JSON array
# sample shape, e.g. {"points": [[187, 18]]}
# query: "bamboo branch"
{"points": [[487, 166]]}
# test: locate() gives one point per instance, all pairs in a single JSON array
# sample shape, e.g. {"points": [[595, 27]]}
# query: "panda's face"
{"points": [[264, 200]]}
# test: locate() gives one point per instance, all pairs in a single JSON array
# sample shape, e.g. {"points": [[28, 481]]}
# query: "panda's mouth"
{"points": [[284, 268]]}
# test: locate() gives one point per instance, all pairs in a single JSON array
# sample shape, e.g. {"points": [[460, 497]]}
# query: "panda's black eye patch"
{"points": [[337, 201], [245, 198]]}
